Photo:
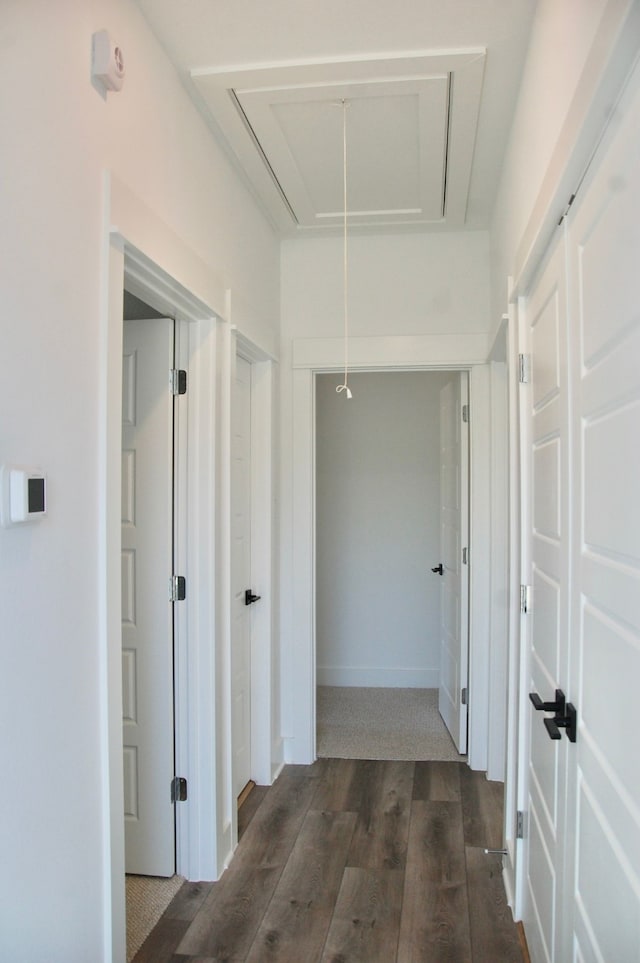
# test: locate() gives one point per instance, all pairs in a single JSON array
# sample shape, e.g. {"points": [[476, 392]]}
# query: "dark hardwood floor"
{"points": [[352, 861]]}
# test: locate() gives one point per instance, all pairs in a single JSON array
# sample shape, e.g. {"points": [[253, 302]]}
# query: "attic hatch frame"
{"points": [[242, 101]]}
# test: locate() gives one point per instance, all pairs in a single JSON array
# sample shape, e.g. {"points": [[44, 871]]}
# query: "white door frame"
{"points": [[423, 353], [266, 745], [141, 252]]}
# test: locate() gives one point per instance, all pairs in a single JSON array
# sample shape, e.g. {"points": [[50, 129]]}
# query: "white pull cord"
{"points": [[345, 387]]}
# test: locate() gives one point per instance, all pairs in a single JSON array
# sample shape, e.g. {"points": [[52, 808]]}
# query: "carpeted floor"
{"points": [[147, 899], [365, 723]]}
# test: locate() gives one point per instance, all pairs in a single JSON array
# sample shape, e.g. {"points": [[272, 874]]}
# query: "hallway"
{"points": [[358, 862]]}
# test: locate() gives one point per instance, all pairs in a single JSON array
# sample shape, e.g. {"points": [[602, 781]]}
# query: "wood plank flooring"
{"points": [[353, 861]]}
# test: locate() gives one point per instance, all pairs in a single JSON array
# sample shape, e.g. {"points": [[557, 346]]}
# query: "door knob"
{"points": [[250, 598], [438, 569]]}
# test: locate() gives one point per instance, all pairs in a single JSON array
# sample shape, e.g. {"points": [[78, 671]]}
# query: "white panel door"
{"points": [[147, 618], [604, 262], [546, 520], [454, 527], [241, 576]]}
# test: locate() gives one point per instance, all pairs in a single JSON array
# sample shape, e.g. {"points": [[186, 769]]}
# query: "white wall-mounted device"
{"points": [[23, 495], [107, 61]]}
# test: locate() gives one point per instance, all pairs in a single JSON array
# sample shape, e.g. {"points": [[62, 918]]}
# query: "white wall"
{"points": [[398, 283], [378, 535], [563, 37], [58, 136]]}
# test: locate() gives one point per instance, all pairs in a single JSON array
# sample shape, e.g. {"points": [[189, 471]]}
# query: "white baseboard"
{"points": [[375, 676]]}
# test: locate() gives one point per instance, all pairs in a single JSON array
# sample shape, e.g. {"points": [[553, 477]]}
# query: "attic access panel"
{"points": [[411, 126]]}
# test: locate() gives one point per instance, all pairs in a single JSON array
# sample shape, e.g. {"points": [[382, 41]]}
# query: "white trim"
{"points": [[109, 602], [161, 269], [204, 679], [262, 524], [513, 863], [167, 269], [394, 351], [311, 356], [479, 567], [180, 613], [262, 682], [221, 576], [499, 574], [300, 745]]}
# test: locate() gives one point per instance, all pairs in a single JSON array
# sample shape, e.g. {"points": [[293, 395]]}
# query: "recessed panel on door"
{"points": [[147, 617]]}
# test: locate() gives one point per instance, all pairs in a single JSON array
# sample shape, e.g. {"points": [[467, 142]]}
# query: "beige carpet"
{"points": [[402, 724], [147, 899]]}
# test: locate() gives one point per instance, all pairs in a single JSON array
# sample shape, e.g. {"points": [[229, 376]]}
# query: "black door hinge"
{"points": [[178, 789], [178, 381], [177, 588]]}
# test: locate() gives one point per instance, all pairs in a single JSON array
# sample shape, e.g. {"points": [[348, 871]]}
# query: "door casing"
{"points": [[429, 352], [144, 255]]}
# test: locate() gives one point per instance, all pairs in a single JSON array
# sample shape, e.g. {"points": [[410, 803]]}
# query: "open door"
{"points": [[453, 568], [147, 616]]}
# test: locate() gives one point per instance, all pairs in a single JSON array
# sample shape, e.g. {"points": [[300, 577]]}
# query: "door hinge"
{"points": [[465, 413], [177, 588], [524, 369], [463, 697], [519, 825], [567, 209], [465, 555], [178, 789], [178, 381], [525, 599]]}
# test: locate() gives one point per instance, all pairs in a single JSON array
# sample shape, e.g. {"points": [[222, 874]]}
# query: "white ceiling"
{"points": [[430, 87]]}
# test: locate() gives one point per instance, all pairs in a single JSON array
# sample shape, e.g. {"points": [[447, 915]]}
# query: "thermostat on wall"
{"points": [[23, 495]]}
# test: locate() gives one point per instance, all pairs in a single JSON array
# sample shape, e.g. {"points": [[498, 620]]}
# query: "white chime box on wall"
{"points": [[23, 495]]}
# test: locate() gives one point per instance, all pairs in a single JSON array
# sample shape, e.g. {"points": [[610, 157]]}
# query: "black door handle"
{"points": [[250, 598], [565, 716], [438, 569], [557, 706]]}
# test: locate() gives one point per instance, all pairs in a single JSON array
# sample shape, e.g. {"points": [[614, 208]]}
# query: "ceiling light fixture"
{"points": [[345, 288]]}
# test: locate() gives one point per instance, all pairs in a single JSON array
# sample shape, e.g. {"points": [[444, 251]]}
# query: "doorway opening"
{"points": [[391, 501], [431, 353]]}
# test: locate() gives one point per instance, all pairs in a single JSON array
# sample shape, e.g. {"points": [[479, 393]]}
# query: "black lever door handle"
{"points": [[557, 706], [250, 598], [438, 569], [552, 729], [565, 715], [568, 721]]}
